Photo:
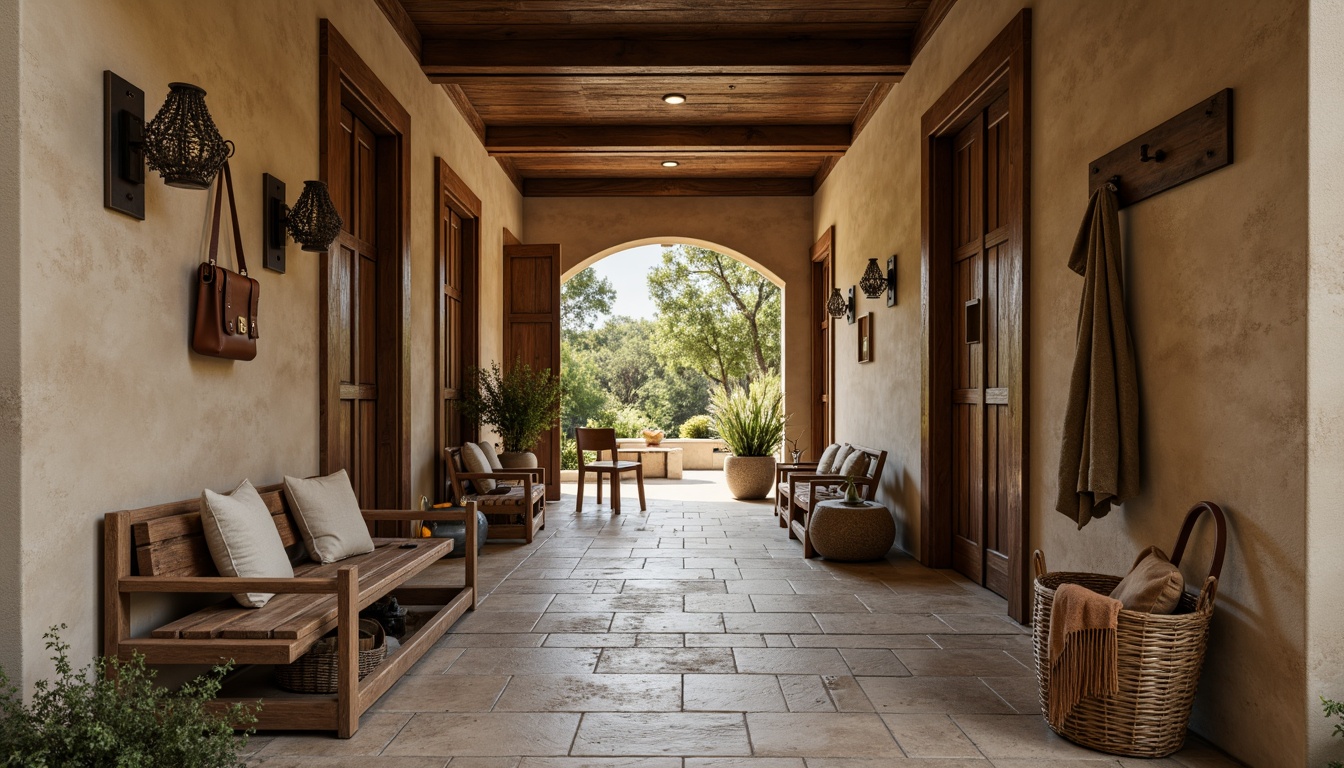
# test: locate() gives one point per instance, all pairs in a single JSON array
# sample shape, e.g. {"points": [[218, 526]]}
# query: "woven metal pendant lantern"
{"points": [[873, 282], [836, 306], [182, 142], [313, 221]]}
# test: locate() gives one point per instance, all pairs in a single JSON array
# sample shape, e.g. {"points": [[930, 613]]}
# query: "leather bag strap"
{"points": [[233, 215]]}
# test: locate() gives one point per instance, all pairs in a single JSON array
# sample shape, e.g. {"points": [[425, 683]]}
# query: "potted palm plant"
{"points": [[751, 421], [520, 405]]}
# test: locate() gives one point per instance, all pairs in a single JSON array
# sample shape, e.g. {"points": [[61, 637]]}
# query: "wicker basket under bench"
{"points": [[161, 549]]}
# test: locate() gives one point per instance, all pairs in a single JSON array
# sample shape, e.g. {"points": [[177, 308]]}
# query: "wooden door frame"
{"points": [[1003, 67], [450, 191], [345, 81], [823, 377]]}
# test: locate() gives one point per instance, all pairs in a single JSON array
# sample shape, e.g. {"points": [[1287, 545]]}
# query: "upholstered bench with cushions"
{"points": [[513, 500], [299, 564], [799, 487]]}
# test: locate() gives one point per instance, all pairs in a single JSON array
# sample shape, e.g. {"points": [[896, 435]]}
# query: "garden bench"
{"points": [[798, 488], [162, 549], [517, 513]]}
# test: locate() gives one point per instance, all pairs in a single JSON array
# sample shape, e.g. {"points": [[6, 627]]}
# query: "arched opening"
{"points": [[703, 317]]}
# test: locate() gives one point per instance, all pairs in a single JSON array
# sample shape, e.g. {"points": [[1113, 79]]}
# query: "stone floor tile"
{"points": [[1101, 761], [982, 623], [724, 640], [873, 662], [939, 604], [442, 693], [653, 603], [346, 762], [525, 661], [545, 586], [790, 661], [376, 730], [820, 735], [930, 736], [977, 662], [521, 602], [730, 603], [591, 693], [744, 762], [806, 693], [775, 623], [833, 603], [666, 660], [1022, 693], [573, 622], [760, 587], [863, 641], [493, 640], [437, 660], [600, 762], [490, 734], [880, 624], [932, 695], [660, 640], [675, 586], [1019, 643], [497, 622], [482, 762], [667, 622], [587, 640], [779, 641], [682, 733], [846, 693], [1024, 736], [732, 693]]}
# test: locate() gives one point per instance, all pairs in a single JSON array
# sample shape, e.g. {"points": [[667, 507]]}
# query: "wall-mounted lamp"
{"points": [[313, 222], [181, 143], [874, 281], [837, 305]]}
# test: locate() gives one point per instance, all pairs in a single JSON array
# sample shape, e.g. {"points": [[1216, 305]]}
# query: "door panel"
{"points": [[823, 347], [532, 330]]}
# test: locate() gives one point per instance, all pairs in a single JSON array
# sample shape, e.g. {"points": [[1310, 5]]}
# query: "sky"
{"points": [[628, 271]]}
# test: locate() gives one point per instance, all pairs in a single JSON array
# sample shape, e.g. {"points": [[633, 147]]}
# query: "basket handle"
{"points": [[1038, 562], [1220, 545], [1206, 595]]}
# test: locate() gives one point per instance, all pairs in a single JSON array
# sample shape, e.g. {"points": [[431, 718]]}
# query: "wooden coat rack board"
{"points": [[1187, 146]]}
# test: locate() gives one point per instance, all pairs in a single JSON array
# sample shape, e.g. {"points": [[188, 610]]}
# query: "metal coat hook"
{"points": [[1144, 157]]}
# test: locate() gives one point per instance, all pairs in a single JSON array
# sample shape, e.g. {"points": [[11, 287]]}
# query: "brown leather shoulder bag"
{"points": [[226, 302]]}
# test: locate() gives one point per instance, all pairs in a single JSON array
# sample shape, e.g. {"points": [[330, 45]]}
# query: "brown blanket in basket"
{"points": [[1083, 648]]}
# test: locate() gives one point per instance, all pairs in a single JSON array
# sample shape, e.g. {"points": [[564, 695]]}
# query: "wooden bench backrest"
{"points": [[167, 539], [457, 487]]}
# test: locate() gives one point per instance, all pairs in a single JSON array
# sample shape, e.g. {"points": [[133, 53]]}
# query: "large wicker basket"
{"points": [[316, 671], [1159, 664]]}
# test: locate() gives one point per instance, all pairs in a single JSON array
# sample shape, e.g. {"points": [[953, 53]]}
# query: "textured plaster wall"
{"points": [[1216, 276], [769, 233], [118, 413], [1325, 376], [11, 468]]}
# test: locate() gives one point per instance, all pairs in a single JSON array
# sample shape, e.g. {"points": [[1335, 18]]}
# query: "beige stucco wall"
{"points": [[772, 234], [1325, 376], [118, 413], [1216, 279]]}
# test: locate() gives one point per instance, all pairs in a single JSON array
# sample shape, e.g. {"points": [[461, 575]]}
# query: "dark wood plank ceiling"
{"points": [[567, 94]]}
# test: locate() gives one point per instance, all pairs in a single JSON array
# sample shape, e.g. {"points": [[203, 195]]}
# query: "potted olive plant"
{"points": [[520, 405], [751, 421]]}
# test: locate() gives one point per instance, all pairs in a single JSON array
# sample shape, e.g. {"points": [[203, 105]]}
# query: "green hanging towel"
{"points": [[1099, 455]]}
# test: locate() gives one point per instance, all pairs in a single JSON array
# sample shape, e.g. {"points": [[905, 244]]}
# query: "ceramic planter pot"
{"points": [[749, 477], [518, 460]]}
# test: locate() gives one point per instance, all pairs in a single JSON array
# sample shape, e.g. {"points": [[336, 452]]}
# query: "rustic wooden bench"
{"points": [[162, 549], [517, 514], [798, 488]]}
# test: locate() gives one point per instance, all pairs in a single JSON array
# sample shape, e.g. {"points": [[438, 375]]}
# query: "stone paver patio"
{"points": [[696, 636]]}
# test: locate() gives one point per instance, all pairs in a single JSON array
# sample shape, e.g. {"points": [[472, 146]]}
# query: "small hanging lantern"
{"points": [[313, 221], [182, 142], [836, 306], [873, 282]]}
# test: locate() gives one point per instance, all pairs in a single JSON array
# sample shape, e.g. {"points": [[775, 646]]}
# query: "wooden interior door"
{"points": [[532, 330], [981, 527], [823, 347], [457, 335]]}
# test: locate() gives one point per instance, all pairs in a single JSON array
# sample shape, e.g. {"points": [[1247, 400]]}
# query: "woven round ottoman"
{"points": [[850, 534]]}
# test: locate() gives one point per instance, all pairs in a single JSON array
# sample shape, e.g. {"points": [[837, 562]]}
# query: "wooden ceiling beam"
{"points": [[584, 139], [455, 59], [678, 187]]}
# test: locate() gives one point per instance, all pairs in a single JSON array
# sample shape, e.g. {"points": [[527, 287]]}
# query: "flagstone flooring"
{"points": [[696, 636]]}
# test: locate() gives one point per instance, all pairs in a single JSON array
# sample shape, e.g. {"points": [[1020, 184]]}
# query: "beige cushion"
{"points": [[840, 456], [856, 465], [243, 540], [827, 461], [1153, 585], [492, 458], [328, 516], [474, 461]]}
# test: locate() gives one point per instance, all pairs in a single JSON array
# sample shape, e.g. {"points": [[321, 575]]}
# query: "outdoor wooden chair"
{"points": [[598, 441]]}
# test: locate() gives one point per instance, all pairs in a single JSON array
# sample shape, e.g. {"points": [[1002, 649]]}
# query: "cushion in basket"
{"points": [[492, 458], [827, 461], [511, 499], [856, 465], [474, 461], [328, 516], [242, 539], [1153, 585]]}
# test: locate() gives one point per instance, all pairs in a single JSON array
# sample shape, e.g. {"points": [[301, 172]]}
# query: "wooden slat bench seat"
{"points": [[162, 549]]}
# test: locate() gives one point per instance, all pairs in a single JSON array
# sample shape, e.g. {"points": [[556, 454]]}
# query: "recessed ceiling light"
{"points": [[670, 163], [674, 98]]}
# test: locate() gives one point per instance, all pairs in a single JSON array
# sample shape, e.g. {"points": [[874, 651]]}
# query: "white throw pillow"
{"points": [[243, 540], [473, 459], [827, 460], [856, 465], [840, 456], [328, 516], [488, 449]]}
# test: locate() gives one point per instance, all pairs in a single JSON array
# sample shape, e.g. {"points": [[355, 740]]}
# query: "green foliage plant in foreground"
{"points": [[520, 404], [750, 419], [111, 714], [697, 428]]}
